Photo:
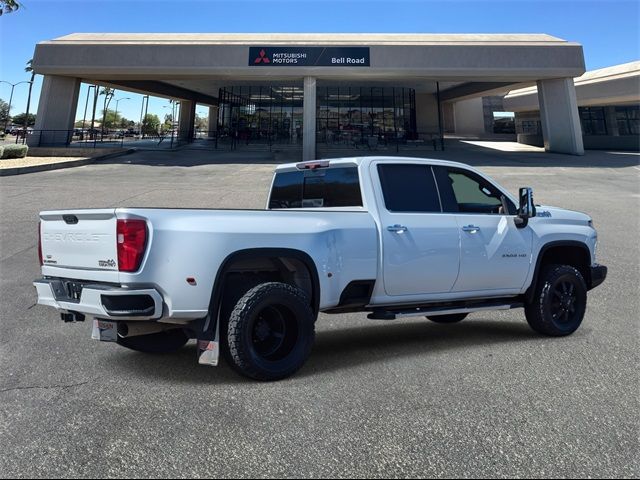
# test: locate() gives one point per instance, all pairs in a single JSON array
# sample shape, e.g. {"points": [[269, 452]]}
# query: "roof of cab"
{"points": [[360, 160]]}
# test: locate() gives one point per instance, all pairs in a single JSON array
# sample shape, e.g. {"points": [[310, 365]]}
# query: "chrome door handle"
{"points": [[397, 228], [471, 229]]}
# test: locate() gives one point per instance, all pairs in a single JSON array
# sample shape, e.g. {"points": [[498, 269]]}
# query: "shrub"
{"points": [[14, 151]]}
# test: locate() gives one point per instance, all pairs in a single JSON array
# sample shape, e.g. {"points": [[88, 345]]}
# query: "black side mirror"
{"points": [[527, 209]]}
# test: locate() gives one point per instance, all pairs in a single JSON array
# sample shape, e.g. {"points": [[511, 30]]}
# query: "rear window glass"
{"points": [[325, 187]]}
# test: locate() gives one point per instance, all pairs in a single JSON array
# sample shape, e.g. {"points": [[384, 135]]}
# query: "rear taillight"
{"points": [[40, 243], [132, 240]]}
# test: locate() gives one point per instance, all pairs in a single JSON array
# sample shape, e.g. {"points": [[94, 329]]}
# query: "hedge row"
{"points": [[13, 151]]}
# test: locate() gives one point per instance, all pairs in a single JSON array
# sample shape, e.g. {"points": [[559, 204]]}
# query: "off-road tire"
{"points": [[452, 318], [559, 302], [280, 348], [168, 341]]}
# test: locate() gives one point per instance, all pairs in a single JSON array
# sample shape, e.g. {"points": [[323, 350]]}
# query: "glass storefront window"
{"points": [[628, 119], [355, 115], [345, 115], [592, 120]]}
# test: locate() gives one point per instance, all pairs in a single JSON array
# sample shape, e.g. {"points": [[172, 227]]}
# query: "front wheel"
{"points": [[559, 302], [270, 331]]}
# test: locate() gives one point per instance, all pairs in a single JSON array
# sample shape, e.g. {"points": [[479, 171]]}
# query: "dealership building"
{"points": [[314, 89]]}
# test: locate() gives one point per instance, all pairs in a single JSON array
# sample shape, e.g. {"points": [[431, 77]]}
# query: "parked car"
{"points": [[394, 237]]}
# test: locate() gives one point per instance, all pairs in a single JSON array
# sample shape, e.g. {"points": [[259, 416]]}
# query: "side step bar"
{"points": [[432, 310]]}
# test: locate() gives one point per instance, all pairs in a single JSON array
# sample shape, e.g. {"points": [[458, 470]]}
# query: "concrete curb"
{"points": [[60, 165]]}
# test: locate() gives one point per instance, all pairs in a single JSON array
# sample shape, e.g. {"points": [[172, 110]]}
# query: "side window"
{"points": [[468, 193], [409, 188]]}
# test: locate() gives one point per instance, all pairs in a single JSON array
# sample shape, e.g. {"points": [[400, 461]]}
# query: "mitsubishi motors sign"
{"points": [[309, 56]]}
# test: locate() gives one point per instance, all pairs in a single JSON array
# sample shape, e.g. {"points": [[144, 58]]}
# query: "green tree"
{"points": [[168, 122], [111, 120], [202, 123], [4, 112], [8, 6], [21, 119], [150, 124]]}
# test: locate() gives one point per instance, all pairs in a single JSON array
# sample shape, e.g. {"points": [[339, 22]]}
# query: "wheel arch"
{"points": [[277, 257], [566, 252]]}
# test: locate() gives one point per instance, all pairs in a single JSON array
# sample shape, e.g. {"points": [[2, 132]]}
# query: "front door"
{"points": [[420, 244], [494, 253]]}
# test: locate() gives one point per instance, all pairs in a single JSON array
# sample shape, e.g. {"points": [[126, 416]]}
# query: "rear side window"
{"points": [[325, 187], [409, 188]]}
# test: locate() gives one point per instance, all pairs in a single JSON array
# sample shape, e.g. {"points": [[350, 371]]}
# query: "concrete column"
{"points": [[559, 116], [427, 113], [309, 120], [213, 121], [187, 120], [469, 117], [56, 111]]}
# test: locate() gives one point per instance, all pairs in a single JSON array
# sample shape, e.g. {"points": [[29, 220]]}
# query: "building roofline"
{"points": [[614, 72], [311, 39]]}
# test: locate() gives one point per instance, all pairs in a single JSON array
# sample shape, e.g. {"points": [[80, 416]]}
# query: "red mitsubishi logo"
{"points": [[262, 58]]}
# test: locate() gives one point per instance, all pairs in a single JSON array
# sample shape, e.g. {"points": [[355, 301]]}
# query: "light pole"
{"points": [[145, 99], [201, 115], [13, 85], [124, 98], [172, 105], [116, 118]]}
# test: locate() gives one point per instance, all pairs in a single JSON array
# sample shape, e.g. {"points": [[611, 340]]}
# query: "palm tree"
{"points": [[8, 6], [29, 69], [108, 95]]}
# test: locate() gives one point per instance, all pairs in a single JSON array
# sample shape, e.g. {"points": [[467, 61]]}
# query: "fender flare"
{"points": [[547, 246], [209, 326]]}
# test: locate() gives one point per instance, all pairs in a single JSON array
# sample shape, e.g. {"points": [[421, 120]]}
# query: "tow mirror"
{"points": [[527, 209]]}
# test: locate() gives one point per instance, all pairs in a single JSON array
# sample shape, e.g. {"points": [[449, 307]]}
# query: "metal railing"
{"points": [[95, 139], [224, 140], [228, 141]]}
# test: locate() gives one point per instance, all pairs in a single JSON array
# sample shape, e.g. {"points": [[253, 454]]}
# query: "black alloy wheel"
{"points": [[559, 301]]}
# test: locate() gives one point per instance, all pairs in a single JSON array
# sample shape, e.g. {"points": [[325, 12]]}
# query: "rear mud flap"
{"points": [[209, 349]]}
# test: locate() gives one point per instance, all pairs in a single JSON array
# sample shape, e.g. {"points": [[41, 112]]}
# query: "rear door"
{"points": [[494, 253], [83, 239], [420, 244]]}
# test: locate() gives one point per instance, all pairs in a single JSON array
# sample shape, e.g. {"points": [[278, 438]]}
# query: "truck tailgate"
{"points": [[79, 239]]}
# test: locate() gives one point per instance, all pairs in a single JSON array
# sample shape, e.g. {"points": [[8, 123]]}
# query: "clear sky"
{"points": [[608, 29]]}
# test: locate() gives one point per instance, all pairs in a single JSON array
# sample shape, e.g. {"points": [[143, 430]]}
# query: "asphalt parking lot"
{"points": [[486, 397]]}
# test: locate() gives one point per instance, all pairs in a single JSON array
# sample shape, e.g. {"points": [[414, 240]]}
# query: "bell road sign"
{"points": [[309, 56]]}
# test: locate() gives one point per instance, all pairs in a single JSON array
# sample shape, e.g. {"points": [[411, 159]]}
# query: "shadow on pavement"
{"points": [[350, 347], [335, 350], [192, 158]]}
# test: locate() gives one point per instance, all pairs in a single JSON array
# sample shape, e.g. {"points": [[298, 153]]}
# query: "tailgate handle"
{"points": [[70, 219]]}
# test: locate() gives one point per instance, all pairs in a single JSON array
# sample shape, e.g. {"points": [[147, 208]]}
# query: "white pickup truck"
{"points": [[394, 237]]}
